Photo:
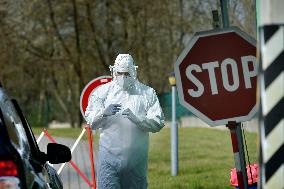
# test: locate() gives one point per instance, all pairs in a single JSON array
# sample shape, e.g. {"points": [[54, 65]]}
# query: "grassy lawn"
{"points": [[205, 157], [68, 133]]}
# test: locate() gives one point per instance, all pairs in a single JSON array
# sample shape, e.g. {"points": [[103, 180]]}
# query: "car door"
{"points": [[34, 177], [37, 157]]}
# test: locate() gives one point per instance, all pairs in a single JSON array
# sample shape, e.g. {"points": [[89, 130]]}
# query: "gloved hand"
{"points": [[129, 114], [111, 110]]}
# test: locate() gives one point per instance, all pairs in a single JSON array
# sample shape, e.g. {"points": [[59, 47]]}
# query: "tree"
{"points": [[51, 49]]}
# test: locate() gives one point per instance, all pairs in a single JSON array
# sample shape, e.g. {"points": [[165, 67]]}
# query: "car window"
{"points": [[15, 129], [2, 135], [30, 136]]}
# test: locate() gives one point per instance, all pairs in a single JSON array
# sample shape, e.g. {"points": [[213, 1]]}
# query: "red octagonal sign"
{"points": [[216, 76]]}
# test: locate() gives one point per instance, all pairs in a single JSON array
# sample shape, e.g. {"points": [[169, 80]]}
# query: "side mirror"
{"points": [[58, 153]]}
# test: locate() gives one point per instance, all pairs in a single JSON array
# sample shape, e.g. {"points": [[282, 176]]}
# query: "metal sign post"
{"points": [[239, 156], [235, 128], [174, 135], [174, 129], [225, 15]]}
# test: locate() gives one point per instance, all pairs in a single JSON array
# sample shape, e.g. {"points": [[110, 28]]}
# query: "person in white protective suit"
{"points": [[126, 111]]}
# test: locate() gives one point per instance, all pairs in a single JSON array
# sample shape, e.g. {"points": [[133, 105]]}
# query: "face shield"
{"points": [[124, 71]]}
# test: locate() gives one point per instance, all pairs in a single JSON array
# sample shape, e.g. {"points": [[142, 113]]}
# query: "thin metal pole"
{"points": [[225, 14], [235, 128], [242, 153], [174, 135], [239, 157]]}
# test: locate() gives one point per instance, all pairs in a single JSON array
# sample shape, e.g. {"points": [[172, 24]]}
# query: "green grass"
{"points": [[205, 157], [70, 133], [64, 132]]}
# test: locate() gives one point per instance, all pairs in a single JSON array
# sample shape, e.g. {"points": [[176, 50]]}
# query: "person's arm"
{"points": [[94, 112], [154, 120]]}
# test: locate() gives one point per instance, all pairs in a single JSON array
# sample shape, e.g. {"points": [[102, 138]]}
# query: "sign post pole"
{"points": [[235, 129], [225, 15], [174, 133], [239, 156], [174, 128]]}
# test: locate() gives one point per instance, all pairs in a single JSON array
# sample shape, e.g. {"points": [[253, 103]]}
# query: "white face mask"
{"points": [[125, 81]]}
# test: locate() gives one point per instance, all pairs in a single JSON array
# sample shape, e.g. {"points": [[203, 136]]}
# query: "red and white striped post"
{"points": [[90, 139], [237, 143]]}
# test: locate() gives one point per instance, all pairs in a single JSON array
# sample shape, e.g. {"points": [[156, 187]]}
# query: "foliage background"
{"points": [[50, 49]]}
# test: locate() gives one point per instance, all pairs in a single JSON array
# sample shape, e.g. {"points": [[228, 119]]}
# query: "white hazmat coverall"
{"points": [[124, 136]]}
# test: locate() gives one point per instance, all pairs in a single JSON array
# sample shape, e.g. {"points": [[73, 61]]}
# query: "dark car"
{"points": [[22, 164]]}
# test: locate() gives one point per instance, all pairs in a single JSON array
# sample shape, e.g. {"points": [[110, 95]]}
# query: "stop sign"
{"points": [[216, 76]]}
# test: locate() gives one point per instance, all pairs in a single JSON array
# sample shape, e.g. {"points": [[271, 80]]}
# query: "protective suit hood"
{"points": [[124, 63]]}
